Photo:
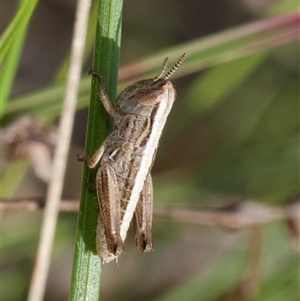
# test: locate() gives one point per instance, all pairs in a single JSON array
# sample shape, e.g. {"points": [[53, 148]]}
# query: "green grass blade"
{"points": [[11, 46], [87, 265]]}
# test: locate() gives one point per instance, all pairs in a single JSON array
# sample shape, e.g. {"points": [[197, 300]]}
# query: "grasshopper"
{"points": [[123, 181]]}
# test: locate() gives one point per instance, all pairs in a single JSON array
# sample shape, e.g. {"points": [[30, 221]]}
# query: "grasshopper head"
{"points": [[141, 97]]}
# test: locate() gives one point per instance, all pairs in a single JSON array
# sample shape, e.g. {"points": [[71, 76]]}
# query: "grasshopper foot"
{"points": [[81, 158], [90, 185]]}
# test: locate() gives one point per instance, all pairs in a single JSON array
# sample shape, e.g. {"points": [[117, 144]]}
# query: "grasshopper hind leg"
{"points": [[109, 204], [142, 219]]}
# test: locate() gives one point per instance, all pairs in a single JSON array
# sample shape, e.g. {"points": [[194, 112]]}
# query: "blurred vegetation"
{"points": [[233, 134]]}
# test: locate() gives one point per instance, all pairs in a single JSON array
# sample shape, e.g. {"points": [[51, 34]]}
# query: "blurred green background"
{"points": [[232, 136]]}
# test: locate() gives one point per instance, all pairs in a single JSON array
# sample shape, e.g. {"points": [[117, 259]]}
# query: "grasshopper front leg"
{"points": [[142, 220], [103, 95]]}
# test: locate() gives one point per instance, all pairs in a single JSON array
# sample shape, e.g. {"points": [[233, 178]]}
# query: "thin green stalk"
{"points": [[11, 44], [87, 265]]}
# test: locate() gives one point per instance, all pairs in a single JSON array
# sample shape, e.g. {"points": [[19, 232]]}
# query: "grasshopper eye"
{"points": [[150, 96]]}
